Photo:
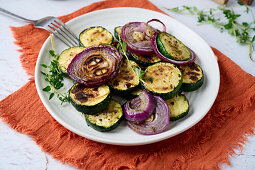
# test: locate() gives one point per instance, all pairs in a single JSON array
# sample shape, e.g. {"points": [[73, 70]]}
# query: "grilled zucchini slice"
{"points": [[90, 100], [143, 60], [67, 56], [95, 36], [172, 48], [126, 81], [193, 77], [163, 79], [178, 106], [117, 32], [106, 120]]}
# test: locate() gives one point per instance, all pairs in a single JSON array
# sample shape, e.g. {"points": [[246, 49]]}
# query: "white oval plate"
{"points": [[200, 100]]}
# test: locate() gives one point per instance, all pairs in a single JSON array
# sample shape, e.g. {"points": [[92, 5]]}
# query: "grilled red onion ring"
{"points": [[164, 27], [139, 108], [138, 35], [156, 123], [95, 66]]}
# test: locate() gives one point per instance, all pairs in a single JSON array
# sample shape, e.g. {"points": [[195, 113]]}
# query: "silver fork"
{"points": [[53, 25]]}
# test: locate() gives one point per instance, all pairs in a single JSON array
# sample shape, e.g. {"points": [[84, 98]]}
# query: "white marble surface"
{"points": [[18, 151]]}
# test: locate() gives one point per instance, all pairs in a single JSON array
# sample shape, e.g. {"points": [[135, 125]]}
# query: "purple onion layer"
{"points": [[156, 123], [139, 108]]}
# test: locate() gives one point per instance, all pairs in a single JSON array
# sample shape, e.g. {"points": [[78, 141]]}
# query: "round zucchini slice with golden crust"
{"points": [[126, 80], [162, 79], [144, 60], [95, 36], [89, 100], [172, 48], [178, 106], [67, 56], [193, 77], [106, 120]]}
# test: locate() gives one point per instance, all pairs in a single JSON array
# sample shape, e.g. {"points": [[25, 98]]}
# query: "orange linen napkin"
{"points": [[204, 146]]}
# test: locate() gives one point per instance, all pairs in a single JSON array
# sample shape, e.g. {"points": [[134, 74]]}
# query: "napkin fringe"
{"points": [[29, 40]]}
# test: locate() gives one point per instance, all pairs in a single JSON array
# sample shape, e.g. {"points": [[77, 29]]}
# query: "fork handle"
{"points": [[16, 16]]}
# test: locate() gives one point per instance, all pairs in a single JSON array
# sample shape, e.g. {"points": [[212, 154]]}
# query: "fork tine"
{"points": [[71, 38], [63, 39], [67, 31], [63, 34]]}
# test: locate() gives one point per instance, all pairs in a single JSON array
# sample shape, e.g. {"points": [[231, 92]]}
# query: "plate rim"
{"points": [[106, 141]]}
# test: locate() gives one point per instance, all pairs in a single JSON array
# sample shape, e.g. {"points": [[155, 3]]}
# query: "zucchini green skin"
{"points": [[163, 50], [169, 94], [117, 34], [103, 128], [140, 62], [93, 40], [90, 109], [180, 114], [188, 87]]}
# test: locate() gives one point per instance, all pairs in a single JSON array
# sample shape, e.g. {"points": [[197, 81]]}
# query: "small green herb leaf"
{"points": [[43, 73], [51, 95], [175, 9], [253, 39], [47, 88], [44, 65], [52, 53], [225, 19]]}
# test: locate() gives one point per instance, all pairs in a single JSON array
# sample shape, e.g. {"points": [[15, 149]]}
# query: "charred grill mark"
{"points": [[128, 85], [81, 97], [85, 94], [77, 88], [193, 66], [94, 60], [192, 73], [115, 82], [194, 78]]}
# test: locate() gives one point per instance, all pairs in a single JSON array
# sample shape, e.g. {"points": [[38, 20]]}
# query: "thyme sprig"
{"points": [[55, 77], [122, 47], [225, 18]]}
